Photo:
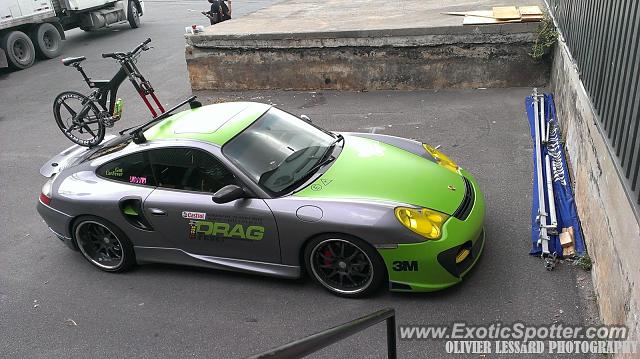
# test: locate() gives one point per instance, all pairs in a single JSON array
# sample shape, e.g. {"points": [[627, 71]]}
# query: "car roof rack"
{"points": [[137, 133]]}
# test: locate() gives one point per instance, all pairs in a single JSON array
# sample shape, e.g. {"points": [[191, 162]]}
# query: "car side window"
{"points": [[189, 169], [134, 168]]}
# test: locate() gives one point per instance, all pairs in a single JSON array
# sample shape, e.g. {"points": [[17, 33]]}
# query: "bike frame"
{"points": [[106, 90]]}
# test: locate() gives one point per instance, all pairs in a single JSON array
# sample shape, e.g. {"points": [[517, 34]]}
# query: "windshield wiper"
{"points": [[329, 149], [324, 160], [309, 173]]}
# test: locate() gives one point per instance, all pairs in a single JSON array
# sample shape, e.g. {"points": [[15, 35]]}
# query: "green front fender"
{"points": [[415, 267]]}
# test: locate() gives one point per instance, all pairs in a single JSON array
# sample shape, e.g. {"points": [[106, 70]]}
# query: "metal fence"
{"points": [[603, 37]]}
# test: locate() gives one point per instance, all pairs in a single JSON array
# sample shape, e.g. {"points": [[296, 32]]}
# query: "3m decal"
{"points": [[209, 230], [117, 172], [138, 180], [405, 266], [193, 215]]}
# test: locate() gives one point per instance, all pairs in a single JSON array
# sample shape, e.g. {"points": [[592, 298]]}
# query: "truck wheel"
{"points": [[20, 51], [133, 15], [47, 40]]}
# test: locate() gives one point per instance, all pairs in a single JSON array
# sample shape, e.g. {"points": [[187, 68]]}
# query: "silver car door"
{"points": [[182, 209]]}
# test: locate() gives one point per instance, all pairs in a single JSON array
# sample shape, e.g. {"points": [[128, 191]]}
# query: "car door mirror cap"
{"points": [[306, 118], [228, 193]]}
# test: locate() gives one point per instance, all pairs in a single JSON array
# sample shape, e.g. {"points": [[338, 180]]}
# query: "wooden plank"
{"points": [[506, 13], [478, 13], [531, 18], [530, 10], [477, 20]]}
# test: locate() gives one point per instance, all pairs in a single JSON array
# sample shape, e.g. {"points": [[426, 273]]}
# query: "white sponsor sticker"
{"points": [[193, 215]]}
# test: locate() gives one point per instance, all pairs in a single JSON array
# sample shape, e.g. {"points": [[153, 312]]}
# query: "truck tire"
{"points": [[19, 48], [133, 15], [47, 40]]}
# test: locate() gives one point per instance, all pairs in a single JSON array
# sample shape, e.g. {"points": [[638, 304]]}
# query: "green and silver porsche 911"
{"points": [[248, 187]]}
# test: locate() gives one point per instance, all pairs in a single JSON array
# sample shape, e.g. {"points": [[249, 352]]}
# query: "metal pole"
{"points": [[550, 195], [542, 215], [391, 337], [543, 121], [315, 342]]}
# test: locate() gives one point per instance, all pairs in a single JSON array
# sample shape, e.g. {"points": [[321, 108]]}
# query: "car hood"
{"points": [[373, 170]]}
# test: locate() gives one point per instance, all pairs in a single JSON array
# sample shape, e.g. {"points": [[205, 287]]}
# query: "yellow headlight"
{"points": [[441, 158], [427, 223]]}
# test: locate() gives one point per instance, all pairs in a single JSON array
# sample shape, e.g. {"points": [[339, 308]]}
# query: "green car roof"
{"points": [[216, 124]]}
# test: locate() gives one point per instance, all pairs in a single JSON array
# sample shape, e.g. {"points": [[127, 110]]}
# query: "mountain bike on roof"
{"points": [[83, 119]]}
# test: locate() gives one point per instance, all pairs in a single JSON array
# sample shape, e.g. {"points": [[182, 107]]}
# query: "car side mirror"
{"points": [[306, 118], [228, 193]]}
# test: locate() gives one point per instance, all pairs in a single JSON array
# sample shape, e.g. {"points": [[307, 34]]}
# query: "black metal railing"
{"points": [[603, 37], [315, 342]]}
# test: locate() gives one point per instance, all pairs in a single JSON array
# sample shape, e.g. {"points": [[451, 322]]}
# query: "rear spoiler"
{"points": [[66, 158]]}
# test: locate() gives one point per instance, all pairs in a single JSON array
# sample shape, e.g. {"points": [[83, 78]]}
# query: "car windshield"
{"points": [[279, 150]]}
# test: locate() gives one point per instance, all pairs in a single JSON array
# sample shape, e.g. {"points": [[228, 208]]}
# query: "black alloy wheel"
{"points": [[103, 246], [346, 267]]}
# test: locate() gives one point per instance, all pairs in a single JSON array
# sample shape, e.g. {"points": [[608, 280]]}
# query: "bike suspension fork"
{"points": [[144, 89]]}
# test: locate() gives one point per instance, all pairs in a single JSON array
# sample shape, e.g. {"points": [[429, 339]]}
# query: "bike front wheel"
{"points": [[78, 118]]}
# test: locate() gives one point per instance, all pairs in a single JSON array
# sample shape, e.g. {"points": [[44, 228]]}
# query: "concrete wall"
{"points": [[611, 229], [442, 58]]}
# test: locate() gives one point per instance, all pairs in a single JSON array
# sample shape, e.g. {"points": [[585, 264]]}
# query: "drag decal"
{"points": [[193, 215], [225, 227]]}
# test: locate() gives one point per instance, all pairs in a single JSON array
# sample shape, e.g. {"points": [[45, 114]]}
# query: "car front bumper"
{"points": [[58, 222], [431, 265]]}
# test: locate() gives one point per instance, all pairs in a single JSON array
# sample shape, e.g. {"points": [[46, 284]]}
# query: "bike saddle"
{"points": [[72, 60]]}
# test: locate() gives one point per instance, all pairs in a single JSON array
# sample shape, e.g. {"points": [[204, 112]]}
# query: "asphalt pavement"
{"points": [[54, 304]]}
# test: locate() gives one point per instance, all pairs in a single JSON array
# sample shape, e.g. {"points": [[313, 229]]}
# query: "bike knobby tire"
{"points": [[78, 118]]}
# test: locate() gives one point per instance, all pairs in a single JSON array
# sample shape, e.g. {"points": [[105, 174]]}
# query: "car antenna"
{"points": [[137, 133]]}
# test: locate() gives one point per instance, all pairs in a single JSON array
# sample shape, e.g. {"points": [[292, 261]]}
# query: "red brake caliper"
{"points": [[327, 257]]}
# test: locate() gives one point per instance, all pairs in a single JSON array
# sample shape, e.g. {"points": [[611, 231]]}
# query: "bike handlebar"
{"points": [[116, 55]]}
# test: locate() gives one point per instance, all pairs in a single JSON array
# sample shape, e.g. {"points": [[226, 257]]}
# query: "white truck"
{"points": [[35, 28]]}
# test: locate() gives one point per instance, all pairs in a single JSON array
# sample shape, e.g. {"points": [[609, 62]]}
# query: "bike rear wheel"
{"points": [[78, 118]]}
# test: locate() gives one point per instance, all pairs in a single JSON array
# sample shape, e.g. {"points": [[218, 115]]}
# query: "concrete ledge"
{"points": [[366, 67], [414, 47], [611, 230], [420, 36]]}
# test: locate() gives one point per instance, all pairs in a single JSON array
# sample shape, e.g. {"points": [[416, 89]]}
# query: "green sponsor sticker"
{"points": [[114, 172], [215, 230]]}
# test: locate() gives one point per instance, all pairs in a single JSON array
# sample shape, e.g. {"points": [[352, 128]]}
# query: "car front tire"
{"points": [[345, 265], [103, 244]]}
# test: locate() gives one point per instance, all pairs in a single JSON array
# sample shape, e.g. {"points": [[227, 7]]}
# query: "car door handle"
{"points": [[157, 212]]}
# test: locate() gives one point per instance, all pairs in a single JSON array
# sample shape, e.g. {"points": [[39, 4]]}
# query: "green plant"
{"points": [[584, 262], [546, 37]]}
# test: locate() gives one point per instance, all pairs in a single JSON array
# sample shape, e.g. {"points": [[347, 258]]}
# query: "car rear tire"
{"points": [[344, 265], [103, 244], [20, 50], [47, 40]]}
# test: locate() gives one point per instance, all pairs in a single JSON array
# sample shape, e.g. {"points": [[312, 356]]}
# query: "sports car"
{"points": [[249, 187]]}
